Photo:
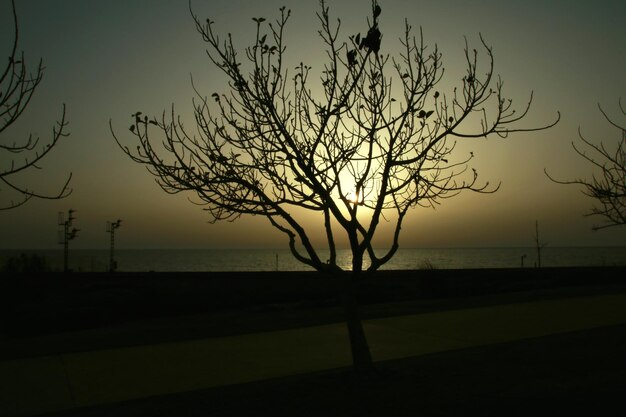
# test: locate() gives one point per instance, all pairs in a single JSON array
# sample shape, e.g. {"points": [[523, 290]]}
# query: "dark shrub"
{"points": [[26, 263]]}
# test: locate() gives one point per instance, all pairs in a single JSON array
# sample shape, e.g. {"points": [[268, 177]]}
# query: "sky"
{"points": [[105, 60]]}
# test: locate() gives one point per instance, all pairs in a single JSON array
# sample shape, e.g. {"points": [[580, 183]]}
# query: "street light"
{"points": [[111, 226], [66, 234]]}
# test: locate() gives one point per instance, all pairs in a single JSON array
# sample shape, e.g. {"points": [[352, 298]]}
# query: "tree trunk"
{"points": [[361, 356]]}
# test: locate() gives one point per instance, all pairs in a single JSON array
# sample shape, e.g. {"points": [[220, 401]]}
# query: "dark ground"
{"points": [[35, 305], [581, 373], [572, 374]]}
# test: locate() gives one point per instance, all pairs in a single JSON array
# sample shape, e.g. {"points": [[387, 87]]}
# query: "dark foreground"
{"points": [[579, 373], [55, 302]]}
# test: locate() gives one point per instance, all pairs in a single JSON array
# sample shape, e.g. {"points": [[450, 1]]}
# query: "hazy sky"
{"points": [[108, 59]]}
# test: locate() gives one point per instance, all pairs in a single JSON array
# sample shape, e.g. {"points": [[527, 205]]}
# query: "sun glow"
{"points": [[355, 198], [351, 193]]}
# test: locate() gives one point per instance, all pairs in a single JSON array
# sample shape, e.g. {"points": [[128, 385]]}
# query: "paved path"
{"points": [[49, 383]]}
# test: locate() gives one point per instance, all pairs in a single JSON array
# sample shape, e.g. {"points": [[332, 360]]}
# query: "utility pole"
{"points": [[65, 235], [111, 226], [539, 245]]}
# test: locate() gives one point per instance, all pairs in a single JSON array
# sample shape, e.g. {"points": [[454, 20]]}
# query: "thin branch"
{"points": [[17, 87], [608, 187]]}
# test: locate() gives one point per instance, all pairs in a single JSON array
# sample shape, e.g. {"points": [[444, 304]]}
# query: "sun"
{"points": [[353, 190], [354, 197]]}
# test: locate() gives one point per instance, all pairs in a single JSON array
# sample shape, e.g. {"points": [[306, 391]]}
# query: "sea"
{"points": [[207, 260]]}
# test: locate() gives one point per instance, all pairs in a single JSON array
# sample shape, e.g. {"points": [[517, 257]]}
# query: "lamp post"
{"points": [[111, 226], [65, 235]]}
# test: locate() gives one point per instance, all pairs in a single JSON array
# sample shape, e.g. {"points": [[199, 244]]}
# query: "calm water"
{"points": [[277, 259]]}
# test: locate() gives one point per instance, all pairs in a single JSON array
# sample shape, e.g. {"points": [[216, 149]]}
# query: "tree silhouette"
{"points": [[372, 142], [609, 187], [17, 86]]}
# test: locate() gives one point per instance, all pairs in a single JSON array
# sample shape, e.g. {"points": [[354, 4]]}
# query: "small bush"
{"points": [[426, 264], [26, 263]]}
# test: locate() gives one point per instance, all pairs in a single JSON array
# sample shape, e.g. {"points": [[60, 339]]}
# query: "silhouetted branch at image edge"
{"points": [[17, 87], [609, 187]]}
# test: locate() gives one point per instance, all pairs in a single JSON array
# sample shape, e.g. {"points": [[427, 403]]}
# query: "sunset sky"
{"points": [[108, 59]]}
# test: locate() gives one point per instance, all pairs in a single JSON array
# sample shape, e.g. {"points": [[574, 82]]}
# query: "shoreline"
{"points": [[232, 303], [87, 260]]}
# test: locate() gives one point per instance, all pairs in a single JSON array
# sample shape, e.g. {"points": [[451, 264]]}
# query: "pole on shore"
{"points": [[65, 235], [111, 226]]}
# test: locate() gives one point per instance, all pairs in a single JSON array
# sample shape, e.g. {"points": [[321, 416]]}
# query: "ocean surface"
{"points": [[281, 259]]}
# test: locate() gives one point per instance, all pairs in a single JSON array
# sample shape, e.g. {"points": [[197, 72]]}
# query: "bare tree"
{"points": [[608, 188], [372, 142], [17, 86]]}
